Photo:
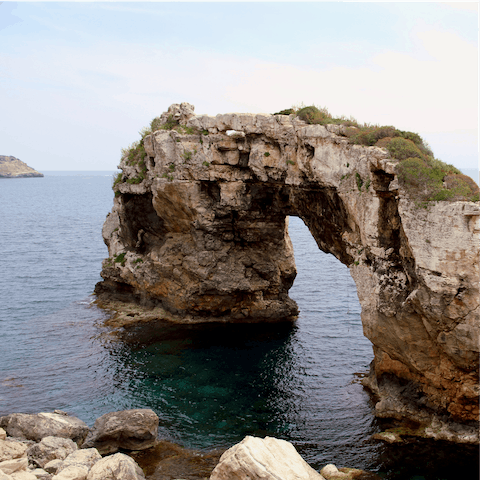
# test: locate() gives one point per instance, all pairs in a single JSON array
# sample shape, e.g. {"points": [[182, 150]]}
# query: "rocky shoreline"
{"points": [[124, 446]]}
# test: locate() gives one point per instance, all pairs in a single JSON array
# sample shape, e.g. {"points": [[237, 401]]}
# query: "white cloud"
{"points": [[468, 6], [107, 94], [395, 88]]}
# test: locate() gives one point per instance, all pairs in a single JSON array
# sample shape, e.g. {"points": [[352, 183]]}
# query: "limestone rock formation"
{"points": [[263, 459], [199, 228], [11, 167]]}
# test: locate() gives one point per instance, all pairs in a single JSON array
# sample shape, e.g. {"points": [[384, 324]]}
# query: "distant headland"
{"points": [[11, 167]]}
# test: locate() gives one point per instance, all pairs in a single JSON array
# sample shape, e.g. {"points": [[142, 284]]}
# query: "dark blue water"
{"points": [[210, 386]]}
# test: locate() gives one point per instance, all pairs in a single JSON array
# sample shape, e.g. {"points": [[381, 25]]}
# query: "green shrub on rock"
{"points": [[369, 135], [429, 179], [313, 115], [287, 111], [402, 148]]}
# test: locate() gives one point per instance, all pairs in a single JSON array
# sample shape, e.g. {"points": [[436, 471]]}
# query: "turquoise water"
{"points": [[210, 386]]}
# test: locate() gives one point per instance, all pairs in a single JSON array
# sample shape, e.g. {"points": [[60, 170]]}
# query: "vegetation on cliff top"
{"points": [[423, 177], [135, 153]]}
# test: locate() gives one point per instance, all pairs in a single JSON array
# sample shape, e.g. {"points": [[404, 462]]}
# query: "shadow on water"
{"points": [[213, 383]]}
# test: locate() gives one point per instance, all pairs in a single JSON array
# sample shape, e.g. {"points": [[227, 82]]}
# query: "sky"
{"points": [[78, 81]]}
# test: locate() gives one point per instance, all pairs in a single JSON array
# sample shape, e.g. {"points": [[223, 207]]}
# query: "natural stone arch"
{"points": [[198, 227]]}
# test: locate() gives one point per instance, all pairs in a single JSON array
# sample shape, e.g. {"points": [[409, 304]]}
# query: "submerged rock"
{"points": [[199, 232], [388, 437], [331, 472], [167, 460]]}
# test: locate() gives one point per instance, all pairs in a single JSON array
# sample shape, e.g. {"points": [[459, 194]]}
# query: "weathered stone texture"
{"points": [[205, 237], [40, 425], [263, 459], [114, 467], [135, 429], [51, 448]]}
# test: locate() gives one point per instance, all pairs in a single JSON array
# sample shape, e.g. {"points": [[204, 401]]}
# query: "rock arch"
{"points": [[199, 227]]}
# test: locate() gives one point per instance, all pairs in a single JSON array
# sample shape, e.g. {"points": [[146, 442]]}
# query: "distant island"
{"points": [[11, 167]]}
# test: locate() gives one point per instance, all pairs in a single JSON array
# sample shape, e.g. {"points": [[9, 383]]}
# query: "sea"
{"points": [[210, 385]]}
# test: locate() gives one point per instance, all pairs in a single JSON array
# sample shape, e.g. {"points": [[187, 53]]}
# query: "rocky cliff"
{"points": [[199, 227], [11, 167]]}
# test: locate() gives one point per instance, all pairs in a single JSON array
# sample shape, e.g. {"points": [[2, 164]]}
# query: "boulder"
{"points": [[331, 472], [11, 449], [10, 466], [23, 475], [83, 458], [53, 466], [41, 474], [266, 459], [40, 425], [51, 448], [73, 472], [128, 429], [113, 467], [3, 434]]}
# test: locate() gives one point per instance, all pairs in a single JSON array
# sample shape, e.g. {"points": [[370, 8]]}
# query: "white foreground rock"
{"points": [[23, 475], [10, 450], [86, 458], [73, 472], [116, 467], [37, 426], [266, 459], [10, 466], [40, 474]]}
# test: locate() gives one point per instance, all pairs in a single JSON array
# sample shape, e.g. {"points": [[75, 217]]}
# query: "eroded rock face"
{"points": [[200, 229]]}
